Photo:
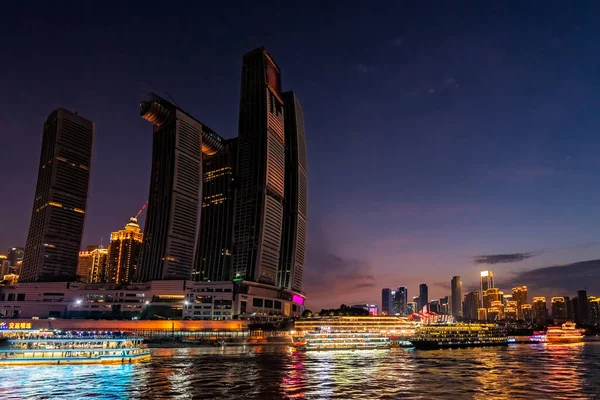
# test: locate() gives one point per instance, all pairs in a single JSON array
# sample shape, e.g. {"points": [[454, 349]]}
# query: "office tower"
{"points": [[527, 313], [434, 307], [293, 237], [519, 294], [489, 296], [124, 253], [387, 301], [52, 248], [423, 296], [472, 303], [261, 165], [482, 314], [173, 215], [558, 308], [540, 312], [215, 239], [457, 297], [92, 266], [445, 306], [582, 309], [570, 311], [594, 303], [510, 314], [400, 300], [417, 301], [411, 307], [487, 282], [15, 255]]}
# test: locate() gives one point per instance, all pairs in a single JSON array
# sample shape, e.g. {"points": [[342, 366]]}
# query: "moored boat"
{"points": [[25, 347], [440, 336], [567, 333], [331, 340]]}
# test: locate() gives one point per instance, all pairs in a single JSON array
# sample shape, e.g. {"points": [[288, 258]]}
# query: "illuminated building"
{"points": [[124, 253], [558, 308], [293, 237], [540, 312], [519, 294], [261, 165], [594, 303], [411, 307], [372, 309], [423, 296], [387, 301], [445, 307], [92, 266], [490, 296], [174, 202], [400, 300], [434, 307], [456, 286], [527, 312], [510, 314], [486, 282], [215, 238], [417, 301], [60, 199], [495, 311], [4, 265], [15, 256], [472, 302], [581, 308], [482, 314]]}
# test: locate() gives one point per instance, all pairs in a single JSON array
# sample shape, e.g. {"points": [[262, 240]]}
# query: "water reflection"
{"points": [[520, 371]]}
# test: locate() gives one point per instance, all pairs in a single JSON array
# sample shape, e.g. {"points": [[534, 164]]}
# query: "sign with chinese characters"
{"points": [[14, 325]]}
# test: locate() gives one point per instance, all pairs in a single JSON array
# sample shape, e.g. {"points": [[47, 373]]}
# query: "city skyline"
{"points": [[500, 194]]}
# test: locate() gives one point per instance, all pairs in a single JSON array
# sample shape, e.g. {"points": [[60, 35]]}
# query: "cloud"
{"points": [[565, 279], [364, 68], [443, 285], [502, 258]]}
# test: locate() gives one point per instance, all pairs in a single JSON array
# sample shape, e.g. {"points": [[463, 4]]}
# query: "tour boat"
{"points": [[567, 333], [440, 336], [23, 347], [325, 339]]}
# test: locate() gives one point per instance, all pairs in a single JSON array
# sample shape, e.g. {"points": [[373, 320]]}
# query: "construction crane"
{"points": [[141, 209]]}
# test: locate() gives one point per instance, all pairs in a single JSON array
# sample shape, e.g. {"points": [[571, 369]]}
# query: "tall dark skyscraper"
{"points": [[387, 301], [293, 239], [457, 297], [401, 300], [261, 165], [173, 216], [423, 296], [214, 249], [52, 248]]}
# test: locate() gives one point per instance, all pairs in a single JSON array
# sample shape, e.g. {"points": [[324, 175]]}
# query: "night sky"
{"points": [[440, 135]]}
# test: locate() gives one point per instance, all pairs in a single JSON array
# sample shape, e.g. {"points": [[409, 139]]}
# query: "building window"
{"points": [[256, 302], [277, 305], [21, 297], [11, 297], [268, 303]]}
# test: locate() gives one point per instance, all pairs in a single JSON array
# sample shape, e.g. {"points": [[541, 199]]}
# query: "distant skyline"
{"points": [[442, 139]]}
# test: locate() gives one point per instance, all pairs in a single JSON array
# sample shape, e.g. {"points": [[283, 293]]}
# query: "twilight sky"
{"points": [[437, 132]]}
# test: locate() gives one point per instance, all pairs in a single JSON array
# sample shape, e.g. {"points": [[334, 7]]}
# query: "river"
{"points": [[517, 371]]}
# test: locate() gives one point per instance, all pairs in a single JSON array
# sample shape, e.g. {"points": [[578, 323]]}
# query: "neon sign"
{"points": [[14, 325]]}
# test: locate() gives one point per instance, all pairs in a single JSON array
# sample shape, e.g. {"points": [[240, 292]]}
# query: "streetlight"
{"points": [[78, 301]]}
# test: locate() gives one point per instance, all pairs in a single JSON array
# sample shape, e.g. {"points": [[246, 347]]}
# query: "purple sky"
{"points": [[436, 132]]}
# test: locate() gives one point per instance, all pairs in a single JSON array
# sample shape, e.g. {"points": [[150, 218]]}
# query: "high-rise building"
{"points": [[519, 294], [594, 303], [4, 265], [293, 238], [491, 295], [215, 239], [570, 311], [54, 238], [581, 308], [540, 311], [400, 301], [15, 256], [487, 282], [423, 296], [527, 313], [482, 314], [124, 253], [92, 266], [261, 170], [387, 301], [559, 308], [445, 306], [417, 301], [472, 302], [457, 297], [174, 200], [411, 307]]}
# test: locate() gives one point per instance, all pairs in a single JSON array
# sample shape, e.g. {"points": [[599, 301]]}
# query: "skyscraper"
{"points": [[581, 308], [387, 301], [487, 282], [423, 296], [173, 216], [400, 301], [15, 256], [519, 294], [559, 308], [124, 253], [92, 265], [57, 218], [540, 311], [457, 297], [472, 303], [261, 165], [293, 239], [215, 239]]}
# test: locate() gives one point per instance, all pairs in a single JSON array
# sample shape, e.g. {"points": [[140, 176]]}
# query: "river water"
{"points": [[518, 371]]}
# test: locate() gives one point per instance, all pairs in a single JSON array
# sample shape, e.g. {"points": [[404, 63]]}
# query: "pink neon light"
{"points": [[298, 299]]}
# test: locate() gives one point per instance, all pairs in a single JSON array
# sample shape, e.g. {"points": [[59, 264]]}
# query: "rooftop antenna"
{"points": [[173, 100]]}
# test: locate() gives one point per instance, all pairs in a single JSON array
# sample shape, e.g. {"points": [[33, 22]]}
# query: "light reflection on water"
{"points": [[520, 371]]}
